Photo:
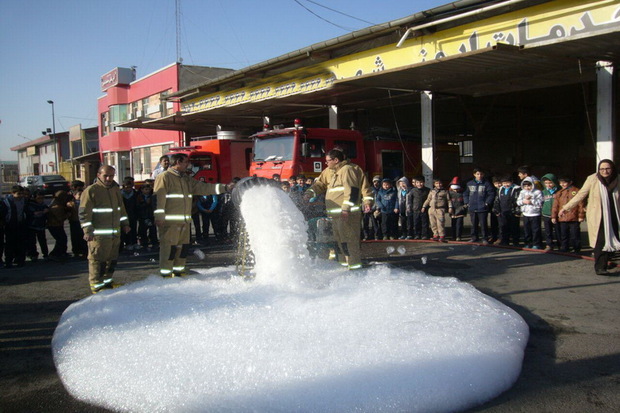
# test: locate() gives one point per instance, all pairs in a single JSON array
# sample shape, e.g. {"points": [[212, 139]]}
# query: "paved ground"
{"points": [[572, 361]]}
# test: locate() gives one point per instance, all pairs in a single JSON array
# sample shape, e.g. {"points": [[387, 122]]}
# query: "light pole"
{"points": [[55, 140]]}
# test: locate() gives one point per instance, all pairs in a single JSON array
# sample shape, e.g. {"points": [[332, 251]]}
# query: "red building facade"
{"points": [[136, 152]]}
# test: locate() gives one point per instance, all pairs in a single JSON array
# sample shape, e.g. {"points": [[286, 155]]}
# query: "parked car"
{"points": [[49, 184]]}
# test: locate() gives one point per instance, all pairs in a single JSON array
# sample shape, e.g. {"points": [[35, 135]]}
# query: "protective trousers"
{"points": [[173, 248], [102, 257], [347, 237]]}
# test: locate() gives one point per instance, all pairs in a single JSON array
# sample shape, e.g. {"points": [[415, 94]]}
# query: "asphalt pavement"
{"points": [[572, 360]]}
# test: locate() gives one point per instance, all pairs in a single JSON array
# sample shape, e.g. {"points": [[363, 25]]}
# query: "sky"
{"points": [[302, 335], [58, 50]]}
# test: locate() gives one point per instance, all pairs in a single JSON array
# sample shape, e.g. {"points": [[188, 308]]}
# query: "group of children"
{"points": [[496, 209], [25, 217]]}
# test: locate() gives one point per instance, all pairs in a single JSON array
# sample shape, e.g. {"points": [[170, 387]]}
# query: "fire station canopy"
{"points": [[497, 69]]}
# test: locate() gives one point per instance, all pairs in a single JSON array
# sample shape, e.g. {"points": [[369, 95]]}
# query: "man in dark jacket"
{"points": [[479, 196]]}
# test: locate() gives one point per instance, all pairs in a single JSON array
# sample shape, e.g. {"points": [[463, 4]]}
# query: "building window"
{"points": [[137, 162], [105, 124], [118, 114], [147, 160], [466, 151]]}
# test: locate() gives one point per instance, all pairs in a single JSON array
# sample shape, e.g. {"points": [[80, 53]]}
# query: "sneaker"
{"points": [[435, 238], [536, 247], [485, 242], [442, 239], [402, 237], [416, 237], [409, 237], [459, 239], [548, 248]]}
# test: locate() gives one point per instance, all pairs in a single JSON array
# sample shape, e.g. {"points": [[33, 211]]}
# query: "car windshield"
{"points": [[49, 178], [274, 149]]}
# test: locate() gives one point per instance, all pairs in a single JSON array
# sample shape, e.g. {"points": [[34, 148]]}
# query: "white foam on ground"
{"points": [[310, 337]]}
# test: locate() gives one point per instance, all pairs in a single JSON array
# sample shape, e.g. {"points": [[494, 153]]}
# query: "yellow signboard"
{"points": [[550, 22]]}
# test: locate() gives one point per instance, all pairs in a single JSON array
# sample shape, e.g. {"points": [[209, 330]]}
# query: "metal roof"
{"points": [[487, 71]]}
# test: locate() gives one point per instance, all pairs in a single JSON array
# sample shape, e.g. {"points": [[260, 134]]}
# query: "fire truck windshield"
{"points": [[274, 149]]}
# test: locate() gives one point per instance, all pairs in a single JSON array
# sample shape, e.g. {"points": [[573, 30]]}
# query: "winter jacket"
{"points": [[457, 202], [207, 203], [387, 200], [345, 187], [36, 215], [145, 206], [506, 200], [130, 199], [102, 211], [437, 199], [548, 194], [59, 212], [402, 195], [479, 195], [535, 195], [416, 198], [14, 211], [561, 198], [175, 191]]}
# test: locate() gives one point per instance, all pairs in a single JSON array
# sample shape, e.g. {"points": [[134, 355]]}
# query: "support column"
{"points": [[333, 117], [604, 111], [428, 136]]}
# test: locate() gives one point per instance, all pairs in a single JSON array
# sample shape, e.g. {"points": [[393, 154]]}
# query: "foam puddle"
{"points": [[302, 336]]}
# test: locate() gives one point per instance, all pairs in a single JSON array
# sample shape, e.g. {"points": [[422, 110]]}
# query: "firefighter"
{"points": [[174, 190], [102, 214], [346, 187]]}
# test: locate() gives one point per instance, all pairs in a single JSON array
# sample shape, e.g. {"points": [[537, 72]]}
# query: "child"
{"points": [[371, 225], [551, 187], [438, 203], [145, 206], [524, 172], [568, 224], [79, 247], [530, 200], [130, 239], [415, 199], [58, 213], [494, 221], [479, 197], [401, 206], [36, 218], [508, 212], [208, 210], [458, 210], [387, 204]]}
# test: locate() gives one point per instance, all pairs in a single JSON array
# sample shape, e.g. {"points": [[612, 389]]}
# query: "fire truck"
{"points": [[217, 160], [298, 150]]}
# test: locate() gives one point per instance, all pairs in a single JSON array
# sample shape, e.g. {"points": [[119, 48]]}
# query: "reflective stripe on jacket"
{"points": [[174, 195], [102, 211], [345, 188]]}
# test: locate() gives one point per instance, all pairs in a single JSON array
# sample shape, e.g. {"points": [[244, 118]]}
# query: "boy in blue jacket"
{"points": [[479, 196], [387, 198]]}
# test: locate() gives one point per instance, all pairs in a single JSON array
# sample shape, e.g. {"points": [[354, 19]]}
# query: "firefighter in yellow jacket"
{"points": [[102, 214], [174, 190], [346, 188]]}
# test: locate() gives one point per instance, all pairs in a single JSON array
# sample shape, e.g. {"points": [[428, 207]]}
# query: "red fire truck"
{"points": [[299, 150], [217, 160]]}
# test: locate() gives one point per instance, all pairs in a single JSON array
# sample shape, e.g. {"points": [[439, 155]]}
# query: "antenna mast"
{"points": [[177, 13]]}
